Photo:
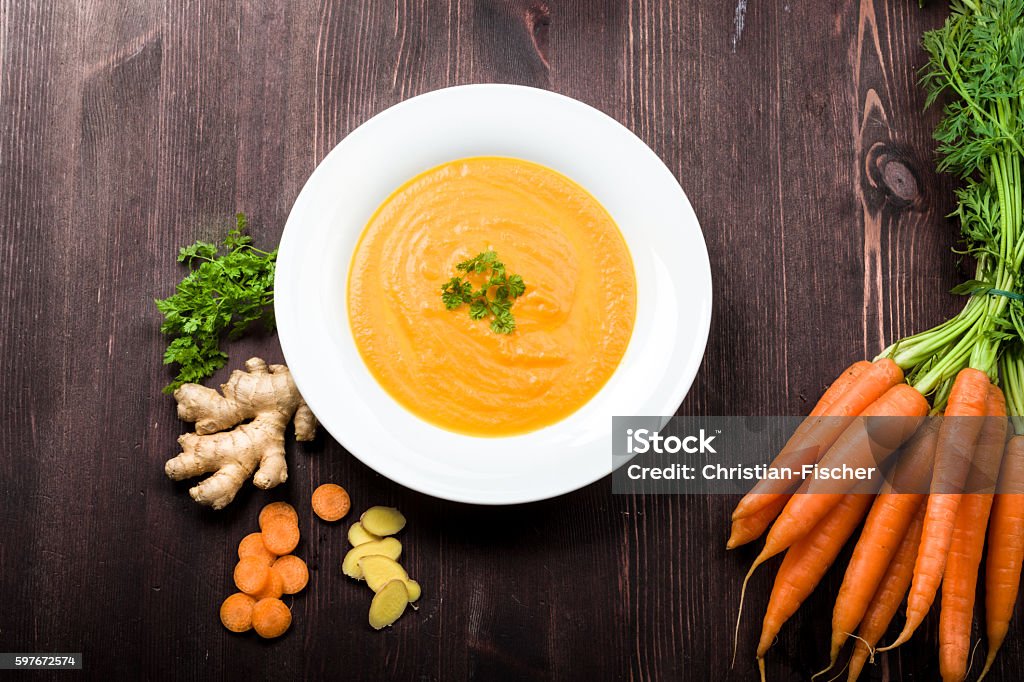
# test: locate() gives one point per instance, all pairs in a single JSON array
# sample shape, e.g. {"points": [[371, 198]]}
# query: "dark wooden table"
{"points": [[130, 128]]}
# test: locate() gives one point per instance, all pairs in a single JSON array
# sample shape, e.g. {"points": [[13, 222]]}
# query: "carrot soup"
{"points": [[571, 324]]}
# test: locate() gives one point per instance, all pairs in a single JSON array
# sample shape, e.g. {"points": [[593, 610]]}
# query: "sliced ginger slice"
{"points": [[379, 570], [357, 535], [388, 547], [388, 605], [382, 521]]}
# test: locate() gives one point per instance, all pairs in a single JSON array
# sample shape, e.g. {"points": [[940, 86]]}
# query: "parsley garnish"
{"points": [[223, 294], [494, 297]]}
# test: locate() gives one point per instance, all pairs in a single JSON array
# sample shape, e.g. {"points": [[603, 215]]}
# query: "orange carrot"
{"points": [[278, 509], [805, 510], [850, 394], [252, 545], [280, 535], [293, 572], [958, 436], [888, 597], [806, 563], [330, 502], [750, 528], [236, 612], [840, 387], [961, 575], [251, 574], [886, 525], [1005, 549], [272, 588], [271, 618]]}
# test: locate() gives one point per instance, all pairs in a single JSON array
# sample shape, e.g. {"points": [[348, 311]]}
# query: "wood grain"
{"points": [[130, 128]]}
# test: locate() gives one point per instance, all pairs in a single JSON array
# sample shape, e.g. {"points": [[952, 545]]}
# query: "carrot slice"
{"points": [[271, 618], [294, 573], [252, 545], [331, 502], [251, 574], [236, 612], [273, 588], [280, 535], [275, 509]]}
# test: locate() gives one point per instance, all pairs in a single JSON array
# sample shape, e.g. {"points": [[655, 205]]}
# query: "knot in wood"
{"points": [[889, 172], [538, 19]]}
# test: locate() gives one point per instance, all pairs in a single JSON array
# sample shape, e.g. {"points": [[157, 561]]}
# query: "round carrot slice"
{"points": [[275, 509], [236, 612], [252, 545], [273, 588], [280, 535], [331, 502], [251, 574], [271, 618], [293, 572]]}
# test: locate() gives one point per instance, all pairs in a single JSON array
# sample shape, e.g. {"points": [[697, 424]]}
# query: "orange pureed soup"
{"points": [[572, 325]]}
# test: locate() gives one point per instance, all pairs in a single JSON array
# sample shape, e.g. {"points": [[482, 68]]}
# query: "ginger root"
{"points": [[264, 394]]}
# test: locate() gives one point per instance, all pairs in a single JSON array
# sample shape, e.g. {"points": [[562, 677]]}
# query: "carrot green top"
{"points": [[975, 64]]}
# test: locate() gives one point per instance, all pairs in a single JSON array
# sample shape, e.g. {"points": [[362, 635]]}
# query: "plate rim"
{"points": [[678, 389]]}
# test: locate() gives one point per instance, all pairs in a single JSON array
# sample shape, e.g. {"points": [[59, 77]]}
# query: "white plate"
{"points": [[673, 288]]}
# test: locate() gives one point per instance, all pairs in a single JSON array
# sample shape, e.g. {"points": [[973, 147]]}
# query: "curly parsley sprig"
{"points": [[493, 298], [229, 288]]}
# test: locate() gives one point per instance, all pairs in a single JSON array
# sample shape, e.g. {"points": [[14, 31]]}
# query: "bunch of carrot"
{"points": [[960, 475], [911, 540]]}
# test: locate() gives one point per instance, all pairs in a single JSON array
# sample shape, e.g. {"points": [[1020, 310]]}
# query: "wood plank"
{"points": [[128, 129]]}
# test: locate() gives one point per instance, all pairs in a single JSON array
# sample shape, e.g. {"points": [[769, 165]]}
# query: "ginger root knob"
{"points": [[266, 399]]}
